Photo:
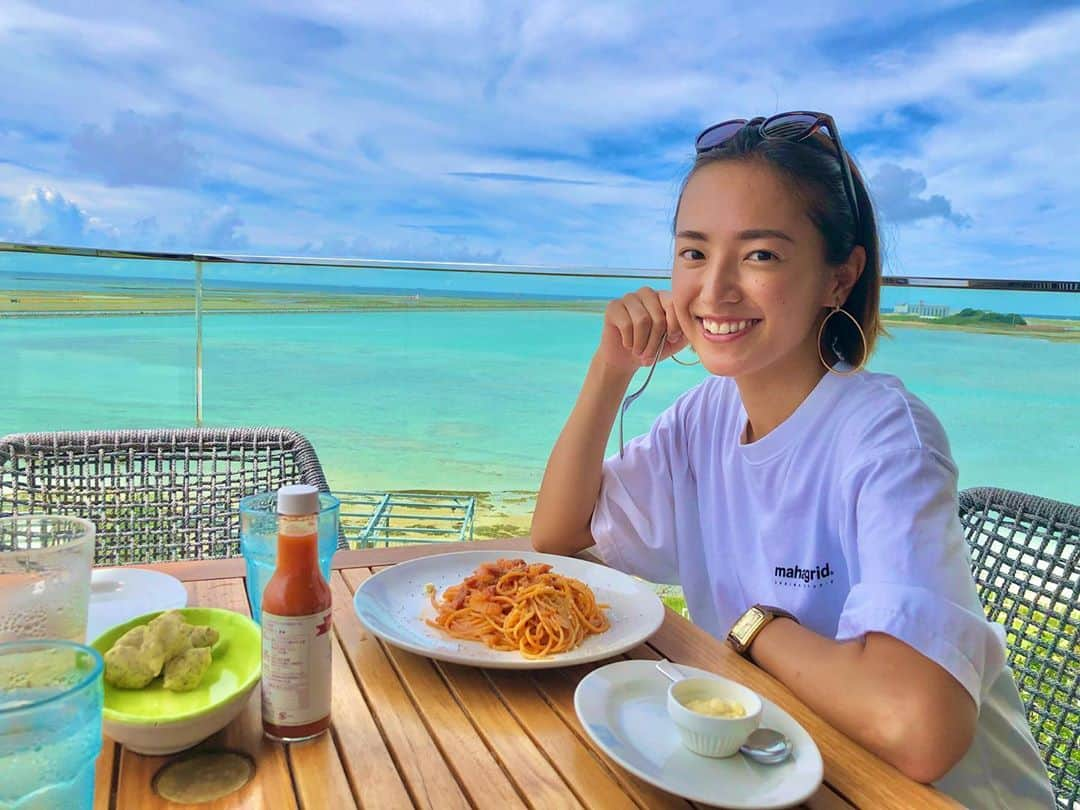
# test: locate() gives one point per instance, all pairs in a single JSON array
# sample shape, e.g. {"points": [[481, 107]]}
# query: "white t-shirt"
{"points": [[846, 516]]}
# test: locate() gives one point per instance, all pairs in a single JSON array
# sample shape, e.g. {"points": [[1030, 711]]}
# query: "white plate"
{"points": [[392, 605], [119, 594], [623, 707]]}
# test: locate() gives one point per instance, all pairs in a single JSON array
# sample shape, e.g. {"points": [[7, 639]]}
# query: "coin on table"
{"points": [[203, 777]]}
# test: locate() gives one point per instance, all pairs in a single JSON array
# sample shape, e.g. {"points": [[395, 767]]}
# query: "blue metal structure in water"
{"points": [[370, 517]]}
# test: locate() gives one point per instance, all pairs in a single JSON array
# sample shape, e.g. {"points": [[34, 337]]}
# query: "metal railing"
{"points": [[1014, 285], [370, 517]]}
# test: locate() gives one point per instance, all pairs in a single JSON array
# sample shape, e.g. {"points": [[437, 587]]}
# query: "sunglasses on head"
{"points": [[788, 126]]}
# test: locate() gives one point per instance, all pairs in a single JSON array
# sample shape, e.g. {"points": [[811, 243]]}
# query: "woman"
{"points": [[807, 507]]}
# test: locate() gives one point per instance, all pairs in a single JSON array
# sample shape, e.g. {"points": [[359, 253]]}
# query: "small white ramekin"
{"points": [[707, 735]]}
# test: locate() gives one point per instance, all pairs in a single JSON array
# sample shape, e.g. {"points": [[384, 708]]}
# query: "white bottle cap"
{"points": [[298, 499]]}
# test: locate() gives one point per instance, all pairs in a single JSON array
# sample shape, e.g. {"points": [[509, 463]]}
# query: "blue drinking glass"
{"points": [[50, 724], [258, 540]]}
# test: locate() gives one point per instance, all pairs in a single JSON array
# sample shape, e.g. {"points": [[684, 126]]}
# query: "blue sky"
{"points": [[542, 132]]}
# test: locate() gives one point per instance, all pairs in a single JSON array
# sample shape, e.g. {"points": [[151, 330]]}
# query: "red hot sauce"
{"points": [[296, 625]]}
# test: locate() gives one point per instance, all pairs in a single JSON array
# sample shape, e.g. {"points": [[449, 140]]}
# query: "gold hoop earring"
{"points": [[675, 357], [862, 337]]}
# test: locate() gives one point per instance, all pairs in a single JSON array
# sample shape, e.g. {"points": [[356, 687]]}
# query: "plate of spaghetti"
{"points": [[528, 610]]}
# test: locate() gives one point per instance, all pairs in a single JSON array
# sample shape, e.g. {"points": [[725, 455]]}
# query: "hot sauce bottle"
{"points": [[296, 622]]}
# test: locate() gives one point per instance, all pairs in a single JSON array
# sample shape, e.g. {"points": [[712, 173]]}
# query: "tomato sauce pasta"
{"points": [[514, 605]]}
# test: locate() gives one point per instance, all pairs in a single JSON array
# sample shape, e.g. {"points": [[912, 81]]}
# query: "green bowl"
{"points": [[155, 720]]}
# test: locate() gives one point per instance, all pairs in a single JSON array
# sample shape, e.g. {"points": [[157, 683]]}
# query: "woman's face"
{"points": [[749, 281]]}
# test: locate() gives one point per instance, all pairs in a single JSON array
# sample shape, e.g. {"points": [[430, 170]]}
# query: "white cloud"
{"points": [[117, 34], [417, 248], [899, 194], [220, 230], [139, 150], [44, 215], [352, 123], [401, 15]]}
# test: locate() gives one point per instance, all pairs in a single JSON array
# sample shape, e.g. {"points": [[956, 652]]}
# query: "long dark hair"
{"points": [[812, 169]]}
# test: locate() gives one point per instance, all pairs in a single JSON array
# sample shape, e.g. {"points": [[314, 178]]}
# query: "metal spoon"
{"points": [[765, 745]]}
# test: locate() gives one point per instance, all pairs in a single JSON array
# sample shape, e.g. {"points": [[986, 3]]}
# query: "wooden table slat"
{"points": [[577, 763], [826, 799], [526, 764], [557, 686], [371, 768], [479, 773], [104, 776], [430, 780], [319, 776]]}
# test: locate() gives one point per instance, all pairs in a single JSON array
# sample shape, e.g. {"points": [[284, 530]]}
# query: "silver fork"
{"points": [[631, 397]]}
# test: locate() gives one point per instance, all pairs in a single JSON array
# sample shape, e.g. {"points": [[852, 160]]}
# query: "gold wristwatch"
{"points": [[746, 627]]}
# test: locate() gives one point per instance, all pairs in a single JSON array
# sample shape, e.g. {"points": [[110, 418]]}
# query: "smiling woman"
{"points": [[807, 506]]}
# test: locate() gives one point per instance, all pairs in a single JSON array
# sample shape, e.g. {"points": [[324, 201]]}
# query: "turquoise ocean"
{"points": [[474, 399]]}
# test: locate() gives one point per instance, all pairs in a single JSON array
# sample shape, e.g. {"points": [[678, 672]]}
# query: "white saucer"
{"points": [[119, 594], [624, 710]]}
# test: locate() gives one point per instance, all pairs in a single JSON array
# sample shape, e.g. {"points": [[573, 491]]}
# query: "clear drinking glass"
{"points": [[258, 540], [45, 563], [50, 724]]}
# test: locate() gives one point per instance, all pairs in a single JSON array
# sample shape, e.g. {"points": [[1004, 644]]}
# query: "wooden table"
{"points": [[411, 732]]}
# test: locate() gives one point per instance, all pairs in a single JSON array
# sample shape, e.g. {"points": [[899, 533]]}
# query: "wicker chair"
{"points": [[154, 495], [1025, 561]]}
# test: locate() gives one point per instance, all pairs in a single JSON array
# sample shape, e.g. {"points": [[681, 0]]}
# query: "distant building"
{"points": [[923, 310]]}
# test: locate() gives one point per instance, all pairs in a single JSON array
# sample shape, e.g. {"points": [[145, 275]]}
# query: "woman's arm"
{"points": [[571, 484], [633, 327], [877, 690]]}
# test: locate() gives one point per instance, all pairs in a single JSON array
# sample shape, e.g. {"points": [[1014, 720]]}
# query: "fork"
{"points": [[631, 397]]}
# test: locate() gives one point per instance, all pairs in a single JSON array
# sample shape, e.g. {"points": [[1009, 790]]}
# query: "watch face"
{"points": [[747, 622]]}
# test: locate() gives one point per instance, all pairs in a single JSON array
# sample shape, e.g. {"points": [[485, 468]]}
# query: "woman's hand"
{"points": [[634, 325]]}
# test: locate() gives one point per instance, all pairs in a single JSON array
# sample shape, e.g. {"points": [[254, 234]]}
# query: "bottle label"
{"points": [[296, 668]]}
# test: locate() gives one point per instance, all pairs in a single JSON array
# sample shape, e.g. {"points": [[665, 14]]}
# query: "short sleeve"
{"points": [[633, 522], [909, 566]]}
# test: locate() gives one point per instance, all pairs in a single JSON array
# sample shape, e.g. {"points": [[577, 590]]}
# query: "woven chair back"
{"points": [[154, 495], [1025, 560]]}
